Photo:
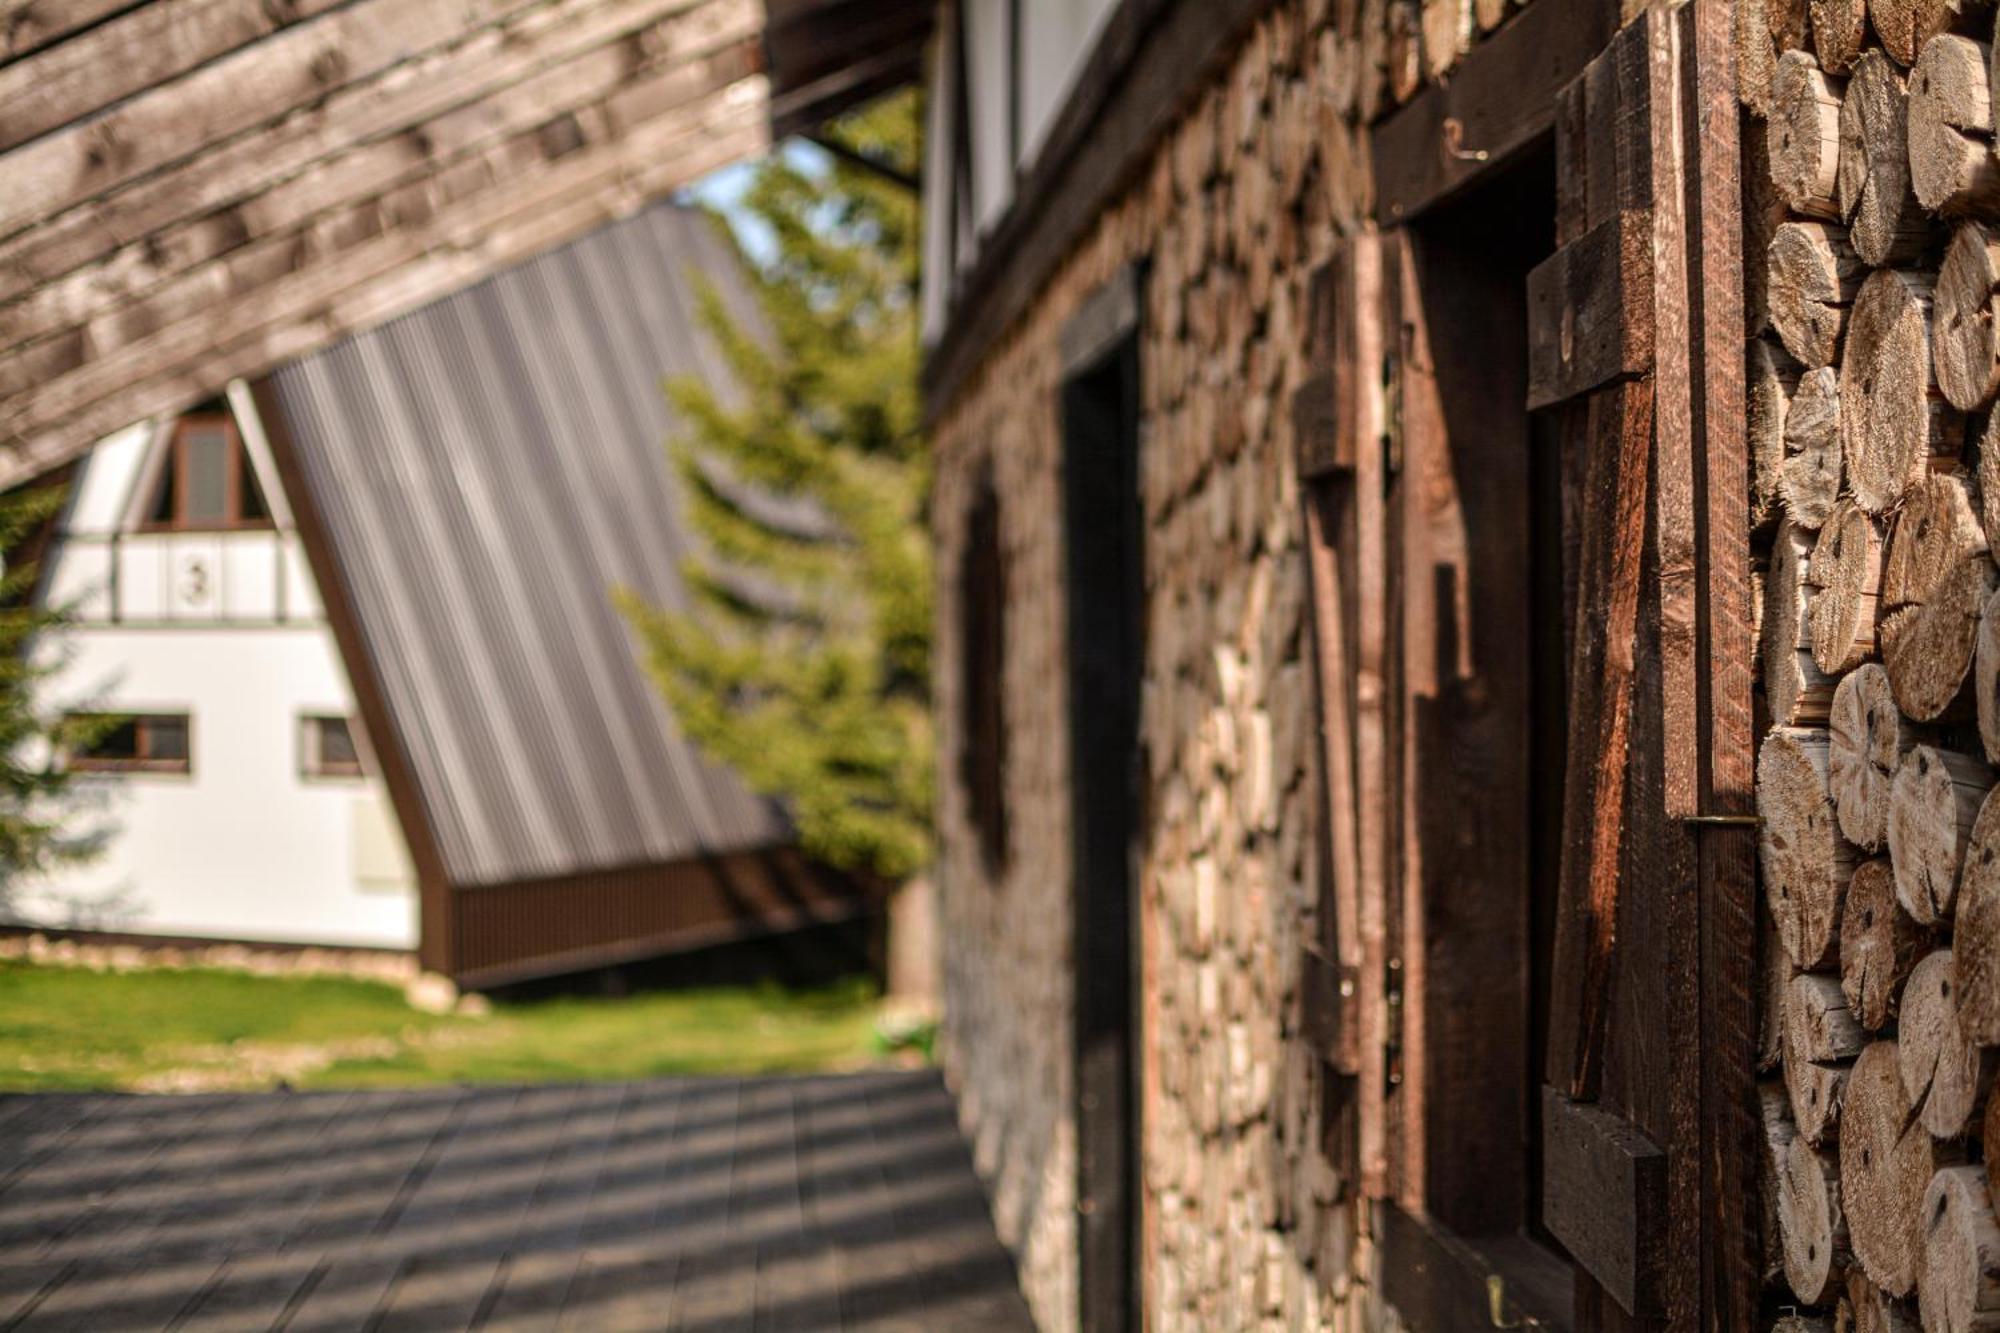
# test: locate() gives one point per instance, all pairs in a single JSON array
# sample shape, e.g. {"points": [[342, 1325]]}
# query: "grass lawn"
{"points": [[195, 1030]]}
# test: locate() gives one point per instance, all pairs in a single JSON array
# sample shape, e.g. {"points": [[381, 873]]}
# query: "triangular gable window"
{"points": [[204, 481]]}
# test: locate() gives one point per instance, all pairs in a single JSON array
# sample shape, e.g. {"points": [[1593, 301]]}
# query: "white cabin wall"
{"points": [[228, 628], [243, 846]]}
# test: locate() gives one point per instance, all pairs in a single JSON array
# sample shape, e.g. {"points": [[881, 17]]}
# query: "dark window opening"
{"points": [[130, 743], [983, 612], [206, 481], [328, 749]]}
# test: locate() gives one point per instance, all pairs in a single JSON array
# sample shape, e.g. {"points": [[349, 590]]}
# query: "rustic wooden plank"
{"points": [[1437, 1283], [1604, 1196], [515, 215], [131, 53], [29, 25], [1590, 310], [1730, 1130], [1501, 97], [1616, 442], [298, 213], [228, 97]]}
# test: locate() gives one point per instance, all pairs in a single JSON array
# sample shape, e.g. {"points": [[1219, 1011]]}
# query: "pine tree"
{"points": [[41, 825], [803, 660]]}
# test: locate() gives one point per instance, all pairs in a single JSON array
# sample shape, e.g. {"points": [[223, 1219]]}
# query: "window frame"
{"points": [[141, 762], [174, 468], [312, 765]]}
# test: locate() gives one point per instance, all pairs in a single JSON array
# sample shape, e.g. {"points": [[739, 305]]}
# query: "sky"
{"points": [[723, 191]]}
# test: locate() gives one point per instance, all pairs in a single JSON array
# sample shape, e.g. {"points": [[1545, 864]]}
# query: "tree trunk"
{"points": [[1975, 941], [1884, 223], [1952, 168], [1891, 425], [1879, 945], [1804, 142], [1807, 864], [1812, 276], [1797, 692], [1845, 576], [1810, 1220], [1958, 1287], [1809, 478], [1962, 336], [1867, 739], [1772, 378], [1886, 1163], [1928, 649], [1932, 807]]}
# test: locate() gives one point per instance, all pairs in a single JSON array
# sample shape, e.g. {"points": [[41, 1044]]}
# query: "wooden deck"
{"points": [[838, 1202]]}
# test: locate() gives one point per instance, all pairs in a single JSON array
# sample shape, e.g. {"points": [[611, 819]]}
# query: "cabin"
{"points": [[353, 623], [1463, 657]]}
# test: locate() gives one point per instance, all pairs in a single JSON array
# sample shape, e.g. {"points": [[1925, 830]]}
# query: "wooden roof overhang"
{"points": [[828, 56], [194, 190]]}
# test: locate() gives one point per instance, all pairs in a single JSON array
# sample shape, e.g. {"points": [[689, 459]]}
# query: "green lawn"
{"points": [[189, 1030]]}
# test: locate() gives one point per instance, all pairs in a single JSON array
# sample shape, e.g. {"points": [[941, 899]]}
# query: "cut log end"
{"points": [[1886, 1164], [1928, 649], [1812, 276], [1810, 472], [1804, 135], [1952, 168], [1879, 945], [1962, 331], [1845, 575], [1867, 739], [1891, 428], [1811, 1223], [1958, 1285], [1975, 942], [1942, 1071], [1933, 806], [1886, 226], [1807, 864]]}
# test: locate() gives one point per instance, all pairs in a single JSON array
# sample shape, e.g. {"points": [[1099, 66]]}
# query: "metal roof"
{"points": [[487, 469]]}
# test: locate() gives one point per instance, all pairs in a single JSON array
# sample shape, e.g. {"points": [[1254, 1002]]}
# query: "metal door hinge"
{"points": [[1496, 1305], [1392, 1040]]}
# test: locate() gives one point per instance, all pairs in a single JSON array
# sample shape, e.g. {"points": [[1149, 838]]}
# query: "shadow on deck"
{"points": [[835, 1202]]}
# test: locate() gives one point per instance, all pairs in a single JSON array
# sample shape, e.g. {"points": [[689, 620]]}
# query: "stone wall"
{"points": [[1244, 1226]]}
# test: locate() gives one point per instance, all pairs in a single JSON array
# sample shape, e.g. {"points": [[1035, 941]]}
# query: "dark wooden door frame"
{"points": [[1105, 579]]}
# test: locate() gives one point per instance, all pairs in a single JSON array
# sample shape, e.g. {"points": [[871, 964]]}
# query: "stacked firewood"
{"points": [[1873, 232]]}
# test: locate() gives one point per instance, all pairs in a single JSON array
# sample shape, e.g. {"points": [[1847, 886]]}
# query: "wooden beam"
{"points": [[1604, 1196], [518, 213], [1501, 98], [1590, 317], [312, 218], [191, 207], [28, 25], [131, 53], [231, 96]]}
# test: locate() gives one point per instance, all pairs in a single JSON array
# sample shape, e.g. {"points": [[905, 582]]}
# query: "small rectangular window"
{"points": [[131, 743], [206, 481], [328, 749]]}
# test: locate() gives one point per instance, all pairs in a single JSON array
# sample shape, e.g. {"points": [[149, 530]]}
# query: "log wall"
{"points": [[1244, 1227], [1879, 656]]}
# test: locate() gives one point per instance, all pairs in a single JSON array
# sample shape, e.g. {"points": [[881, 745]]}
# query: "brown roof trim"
{"points": [[437, 940], [1152, 58]]}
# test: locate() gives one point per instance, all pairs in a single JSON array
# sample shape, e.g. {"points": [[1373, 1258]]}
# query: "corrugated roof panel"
{"points": [[488, 469]]}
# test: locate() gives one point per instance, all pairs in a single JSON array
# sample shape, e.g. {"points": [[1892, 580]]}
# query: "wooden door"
{"points": [[1523, 489]]}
